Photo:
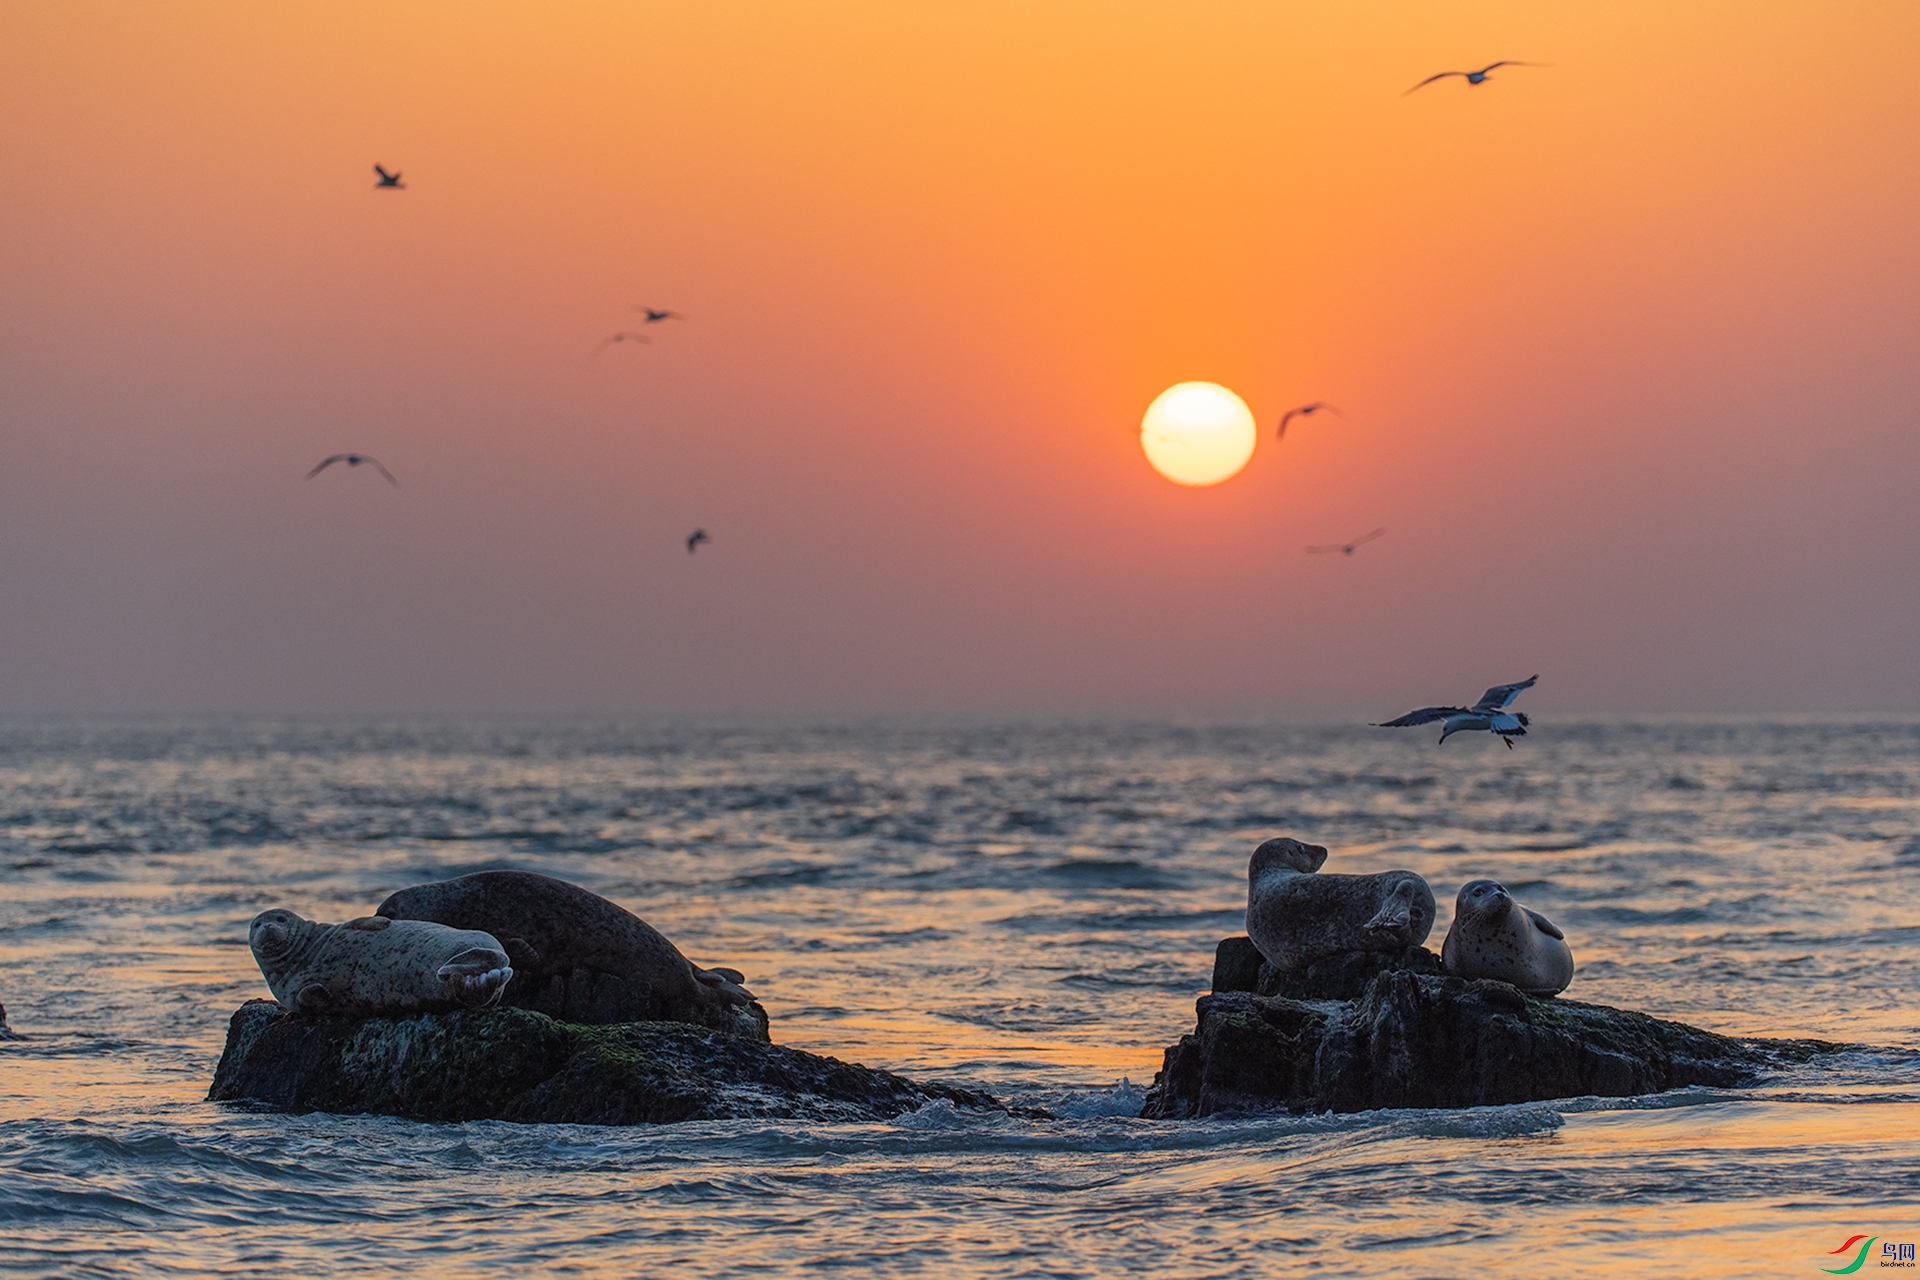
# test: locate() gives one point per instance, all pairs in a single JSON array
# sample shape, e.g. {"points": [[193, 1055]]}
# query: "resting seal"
{"points": [[1296, 917], [374, 966], [1495, 937], [577, 956]]}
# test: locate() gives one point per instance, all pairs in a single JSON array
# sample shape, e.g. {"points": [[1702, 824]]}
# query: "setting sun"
{"points": [[1197, 433]]}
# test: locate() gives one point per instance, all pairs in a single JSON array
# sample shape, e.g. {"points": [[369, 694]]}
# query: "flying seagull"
{"points": [[1474, 77], [695, 538], [388, 180], [1484, 714], [622, 337], [1346, 548], [354, 460], [1304, 411], [655, 316]]}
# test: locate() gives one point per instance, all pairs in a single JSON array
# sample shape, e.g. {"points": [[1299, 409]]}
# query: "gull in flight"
{"points": [[1304, 411], [1484, 714], [695, 538], [655, 316], [354, 460], [1346, 548], [622, 337], [388, 180], [1474, 77]]}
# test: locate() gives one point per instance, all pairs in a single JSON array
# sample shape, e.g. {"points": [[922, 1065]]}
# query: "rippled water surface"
{"points": [[1027, 908]]}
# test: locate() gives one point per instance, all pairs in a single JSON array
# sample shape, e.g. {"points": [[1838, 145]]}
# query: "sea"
{"points": [[1025, 906]]}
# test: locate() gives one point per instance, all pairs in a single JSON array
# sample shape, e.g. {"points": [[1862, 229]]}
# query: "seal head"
{"points": [[1493, 936], [1296, 916]]}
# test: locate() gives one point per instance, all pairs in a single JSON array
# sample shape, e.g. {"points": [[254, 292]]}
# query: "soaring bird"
{"points": [[388, 180], [1304, 411], [622, 337], [354, 460], [1484, 714], [1474, 77], [655, 316], [695, 538], [1346, 548]]}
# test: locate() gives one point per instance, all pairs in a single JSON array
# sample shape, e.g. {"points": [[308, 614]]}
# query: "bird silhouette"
{"points": [[1474, 77], [1346, 548], [695, 538], [1484, 714], [354, 460], [655, 316], [388, 180], [622, 337], [1304, 411]]}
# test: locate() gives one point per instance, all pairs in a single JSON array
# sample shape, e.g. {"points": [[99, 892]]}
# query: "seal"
{"points": [[376, 966], [576, 956], [1296, 917], [1493, 936]]}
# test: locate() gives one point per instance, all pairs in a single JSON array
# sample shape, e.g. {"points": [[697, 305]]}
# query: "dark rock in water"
{"points": [[1236, 964], [511, 1064], [1239, 966], [1416, 1038]]}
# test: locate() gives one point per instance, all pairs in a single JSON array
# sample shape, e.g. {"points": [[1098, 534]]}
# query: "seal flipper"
{"points": [[1543, 924], [477, 976], [369, 924], [520, 951], [1394, 921], [312, 998], [725, 983]]}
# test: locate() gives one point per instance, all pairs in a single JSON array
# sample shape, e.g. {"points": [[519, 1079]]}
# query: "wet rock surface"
{"points": [[1368, 1030], [512, 1064]]}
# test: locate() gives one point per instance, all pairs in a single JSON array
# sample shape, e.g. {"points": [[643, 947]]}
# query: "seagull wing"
{"points": [[338, 457], [1285, 418], [1425, 715], [1442, 76], [1368, 537], [375, 464], [1501, 694], [1336, 546], [383, 173], [1509, 62]]}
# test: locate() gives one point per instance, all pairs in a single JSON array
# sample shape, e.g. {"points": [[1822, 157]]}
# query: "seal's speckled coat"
{"points": [[1493, 936], [580, 958], [1296, 917], [374, 966]]}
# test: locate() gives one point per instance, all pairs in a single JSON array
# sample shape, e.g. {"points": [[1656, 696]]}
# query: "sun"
{"points": [[1197, 433]]}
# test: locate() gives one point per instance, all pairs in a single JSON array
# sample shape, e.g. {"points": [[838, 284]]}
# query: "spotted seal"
{"points": [[577, 956], [1493, 936], [376, 966], [1295, 916]]}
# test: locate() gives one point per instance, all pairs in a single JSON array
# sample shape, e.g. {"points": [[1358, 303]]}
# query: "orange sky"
{"points": [[1627, 347]]}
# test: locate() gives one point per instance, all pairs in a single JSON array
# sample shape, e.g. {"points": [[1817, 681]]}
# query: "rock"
{"points": [[512, 1064], [1239, 966], [1236, 964], [1418, 1038]]}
